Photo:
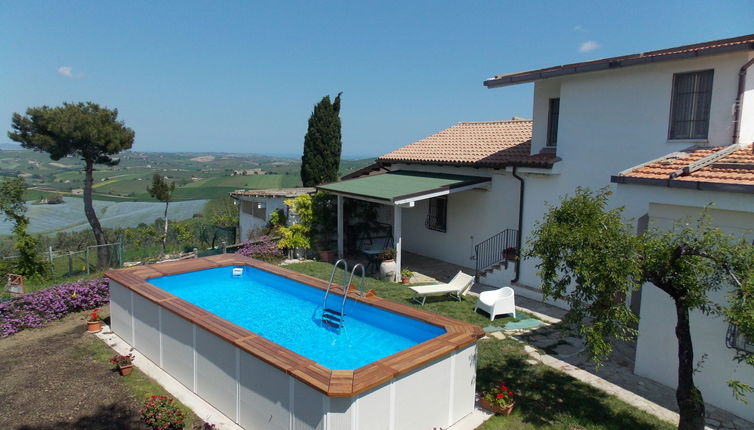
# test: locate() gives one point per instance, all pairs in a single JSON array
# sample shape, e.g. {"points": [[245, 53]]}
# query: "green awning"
{"points": [[403, 186]]}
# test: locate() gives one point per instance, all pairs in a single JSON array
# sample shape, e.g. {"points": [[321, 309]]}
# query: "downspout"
{"points": [[520, 223], [740, 101]]}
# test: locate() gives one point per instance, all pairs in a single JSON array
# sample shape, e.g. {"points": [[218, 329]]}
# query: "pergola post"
{"points": [[397, 240], [340, 226]]}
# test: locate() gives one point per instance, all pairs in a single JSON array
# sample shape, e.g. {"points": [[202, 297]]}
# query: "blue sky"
{"points": [[244, 77]]}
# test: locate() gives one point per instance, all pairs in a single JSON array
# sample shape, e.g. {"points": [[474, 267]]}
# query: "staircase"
{"points": [[495, 252]]}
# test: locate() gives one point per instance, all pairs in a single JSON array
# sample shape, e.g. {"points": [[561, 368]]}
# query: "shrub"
{"points": [[262, 248], [160, 413], [39, 308]]}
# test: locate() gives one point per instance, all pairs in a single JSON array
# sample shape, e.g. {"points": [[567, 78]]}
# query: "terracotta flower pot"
{"points": [[93, 326], [405, 280], [327, 255], [496, 409], [125, 370]]}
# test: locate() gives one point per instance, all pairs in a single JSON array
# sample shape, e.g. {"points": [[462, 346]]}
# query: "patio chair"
{"points": [[497, 302], [457, 287]]}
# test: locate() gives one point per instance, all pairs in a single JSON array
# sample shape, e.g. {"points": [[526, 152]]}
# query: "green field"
{"points": [[197, 176]]}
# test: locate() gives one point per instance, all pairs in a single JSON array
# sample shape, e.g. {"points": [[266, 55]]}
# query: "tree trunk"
{"points": [[689, 398], [165, 234], [103, 253]]}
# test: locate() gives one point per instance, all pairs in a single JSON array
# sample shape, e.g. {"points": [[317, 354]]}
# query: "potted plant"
{"points": [[388, 266], [124, 363], [406, 276], [94, 322], [498, 399]]}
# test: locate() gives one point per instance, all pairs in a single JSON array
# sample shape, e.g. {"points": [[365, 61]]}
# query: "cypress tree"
{"points": [[322, 144]]}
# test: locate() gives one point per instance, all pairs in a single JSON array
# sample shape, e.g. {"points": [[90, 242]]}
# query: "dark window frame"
{"points": [[699, 103], [437, 214], [553, 117]]}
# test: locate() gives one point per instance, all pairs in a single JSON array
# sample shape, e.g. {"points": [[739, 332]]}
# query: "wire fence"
{"points": [[85, 261]]}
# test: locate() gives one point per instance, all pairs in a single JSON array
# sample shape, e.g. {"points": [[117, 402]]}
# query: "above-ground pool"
{"points": [[289, 313], [255, 347]]}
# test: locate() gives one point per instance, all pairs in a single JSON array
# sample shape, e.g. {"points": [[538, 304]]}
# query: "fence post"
{"points": [[120, 253], [70, 263], [49, 253], [225, 247], [87, 260]]}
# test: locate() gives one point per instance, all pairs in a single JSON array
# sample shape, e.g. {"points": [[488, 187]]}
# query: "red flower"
{"points": [[510, 393], [500, 395]]}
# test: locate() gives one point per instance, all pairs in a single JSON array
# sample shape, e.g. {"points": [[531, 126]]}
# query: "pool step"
{"points": [[332, 317]]}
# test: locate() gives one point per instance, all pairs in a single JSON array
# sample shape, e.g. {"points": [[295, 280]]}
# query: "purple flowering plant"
{"points": [[263, 248], [41, 307]]}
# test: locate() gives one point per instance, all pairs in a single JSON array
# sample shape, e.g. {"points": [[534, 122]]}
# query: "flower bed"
{"points": [[39, 308], [263, 248]]}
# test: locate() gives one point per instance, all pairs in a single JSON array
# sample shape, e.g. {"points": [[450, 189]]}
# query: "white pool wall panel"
{"points": [[216, 372], [146, 323], [178, 347]]}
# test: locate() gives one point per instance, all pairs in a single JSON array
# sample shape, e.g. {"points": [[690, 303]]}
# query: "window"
{"points": [[254, 208], [437, 216], [690, 105], [552, 122]]}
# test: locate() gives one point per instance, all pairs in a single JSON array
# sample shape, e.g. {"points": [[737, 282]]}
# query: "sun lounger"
{"points": [[456, 288]]}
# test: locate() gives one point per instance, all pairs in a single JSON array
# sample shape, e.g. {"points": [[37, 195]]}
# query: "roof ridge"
{"points": [[502, 121]]}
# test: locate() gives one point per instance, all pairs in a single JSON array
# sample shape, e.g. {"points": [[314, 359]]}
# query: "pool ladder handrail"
{"points": [[345, 292], [332, 276]]}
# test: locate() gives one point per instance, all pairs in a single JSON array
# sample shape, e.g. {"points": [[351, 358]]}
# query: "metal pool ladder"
{"points": [[331, 316]]}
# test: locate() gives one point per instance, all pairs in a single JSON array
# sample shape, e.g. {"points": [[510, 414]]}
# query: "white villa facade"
{"points": [[593, 124]]}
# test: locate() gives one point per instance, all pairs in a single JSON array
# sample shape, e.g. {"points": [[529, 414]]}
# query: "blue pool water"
{"points": [[289, 313]]}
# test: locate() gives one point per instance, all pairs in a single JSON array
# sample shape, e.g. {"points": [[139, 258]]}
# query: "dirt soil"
{"points": [[49, 380]]}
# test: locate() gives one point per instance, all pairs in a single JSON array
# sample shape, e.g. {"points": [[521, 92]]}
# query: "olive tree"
{"points": [[83, 130], [589, 258]]}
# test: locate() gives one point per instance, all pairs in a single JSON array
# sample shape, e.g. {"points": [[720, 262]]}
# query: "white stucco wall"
{"points": [[250, 224], [613, 120], [656, 354], [746, 134]]}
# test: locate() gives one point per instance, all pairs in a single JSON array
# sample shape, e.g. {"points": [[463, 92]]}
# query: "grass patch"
{"points": [[546, 398], [445, 305], [137, 384]]}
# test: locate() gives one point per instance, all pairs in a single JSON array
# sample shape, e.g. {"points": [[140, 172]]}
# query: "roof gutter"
{"points": [[520, 224], [740, 101]]}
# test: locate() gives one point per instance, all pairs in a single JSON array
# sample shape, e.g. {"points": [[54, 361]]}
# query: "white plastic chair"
{"points": [[497, 302]]}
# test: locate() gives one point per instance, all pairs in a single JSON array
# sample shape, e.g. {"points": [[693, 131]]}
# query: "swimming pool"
{"points": [[254, 347], [289, 313]]}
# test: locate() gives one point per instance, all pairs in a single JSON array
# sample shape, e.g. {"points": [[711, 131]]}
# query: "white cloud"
{"points": [[66, 71], [589, 46], [579, 28]]}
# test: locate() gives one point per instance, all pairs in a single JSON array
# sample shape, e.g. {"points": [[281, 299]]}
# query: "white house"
{"points": [[257, 206], [656, 194], [473, 193]]}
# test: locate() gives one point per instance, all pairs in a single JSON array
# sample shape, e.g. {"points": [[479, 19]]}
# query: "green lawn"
{"points": [[137, 383], [546, 398]]}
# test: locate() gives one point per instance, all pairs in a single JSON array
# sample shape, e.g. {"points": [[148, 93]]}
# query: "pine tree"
{"points": [[322, 144]]}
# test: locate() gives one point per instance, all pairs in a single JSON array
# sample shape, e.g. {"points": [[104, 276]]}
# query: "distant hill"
{"points": [[205, 175], [10, 147]]}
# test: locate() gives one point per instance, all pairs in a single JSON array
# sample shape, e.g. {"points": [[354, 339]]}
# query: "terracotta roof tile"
{"points": [[478, 144], [736, 168]]}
